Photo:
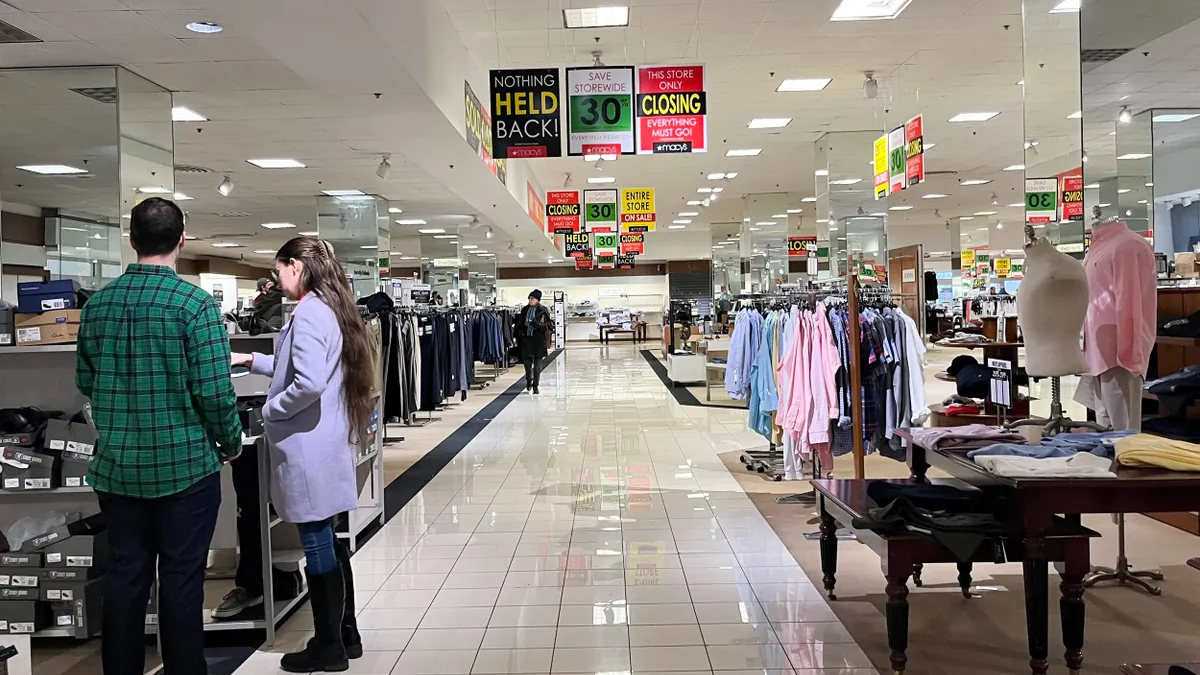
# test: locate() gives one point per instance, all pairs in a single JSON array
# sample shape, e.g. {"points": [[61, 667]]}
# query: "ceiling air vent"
{"points": [[232, 214], [1101, 55], [187, 168], [10, 34], [102, 94]]}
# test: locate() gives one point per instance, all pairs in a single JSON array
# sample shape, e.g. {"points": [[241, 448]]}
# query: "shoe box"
{"points": [[45, 296], [75, 605], [73, 435], [83, 550], [20, 609], [26, 469], [73, 471], [23, 616], [48, 328], [7, 322], [80, 526]]}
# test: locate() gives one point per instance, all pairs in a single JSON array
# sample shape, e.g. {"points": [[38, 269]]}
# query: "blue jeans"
{"points": [[317, 539]]}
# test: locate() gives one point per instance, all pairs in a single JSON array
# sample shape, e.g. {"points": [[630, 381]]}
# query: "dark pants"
{"points": [[249, 530], [175, 531], [533, 371]]}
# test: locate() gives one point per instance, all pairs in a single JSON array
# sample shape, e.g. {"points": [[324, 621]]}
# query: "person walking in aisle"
{"points": [[532, 326], [153, 357], [318, 408]]}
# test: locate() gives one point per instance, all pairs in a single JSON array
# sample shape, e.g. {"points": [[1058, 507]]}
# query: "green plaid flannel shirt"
{"points": [[153, 357]]}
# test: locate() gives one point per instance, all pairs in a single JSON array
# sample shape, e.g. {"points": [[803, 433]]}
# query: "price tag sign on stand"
{"points": [[1041, 200], [1001, 393]]}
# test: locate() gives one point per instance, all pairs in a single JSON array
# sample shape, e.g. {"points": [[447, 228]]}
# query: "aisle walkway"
{"points": [[591, 529]]}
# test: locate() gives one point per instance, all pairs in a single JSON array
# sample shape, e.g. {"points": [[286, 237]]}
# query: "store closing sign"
{"points": [[600, 116], [637, 210], [671, 110], [584, 263], [479, 134], [600, 210], [525, 117], [968, 259], [1072, 197], [633, 243], [914, 151], [578, 245], [563, 213], [606, 244]]}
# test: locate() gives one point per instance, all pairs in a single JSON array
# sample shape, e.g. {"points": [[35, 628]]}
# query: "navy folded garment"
{"points": [[929, 496], [1178, 428]]}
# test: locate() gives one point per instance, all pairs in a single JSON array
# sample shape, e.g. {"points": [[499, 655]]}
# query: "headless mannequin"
{"points": [[1051, 307]]}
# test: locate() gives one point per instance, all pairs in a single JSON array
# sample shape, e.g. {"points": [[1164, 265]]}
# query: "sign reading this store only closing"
{"points": [[578, 245], [671, 110], [526, 121], [563, 213], [914, 151], [633, 243]]}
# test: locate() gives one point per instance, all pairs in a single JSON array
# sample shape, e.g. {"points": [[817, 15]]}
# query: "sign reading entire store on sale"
{"points": [[563, 213], [637, 210], [672, 111], [881, 167], [578, 245], [526, 121], [633, 243], [600, 113], [600, 210]]}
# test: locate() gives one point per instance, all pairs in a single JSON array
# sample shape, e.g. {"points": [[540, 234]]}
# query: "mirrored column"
{"points": [[847, 211], [353, 226], [764, 227], [441, 263]]}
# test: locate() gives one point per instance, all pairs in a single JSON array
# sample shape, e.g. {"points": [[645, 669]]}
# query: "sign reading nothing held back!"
{"points": [[525, 113]]}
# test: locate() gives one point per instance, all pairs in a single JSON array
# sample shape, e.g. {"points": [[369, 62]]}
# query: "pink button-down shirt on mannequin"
{"points": [[1123, 303]]}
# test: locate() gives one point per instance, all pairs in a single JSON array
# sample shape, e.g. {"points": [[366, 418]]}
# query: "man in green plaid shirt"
{"points": [[154, 358]]}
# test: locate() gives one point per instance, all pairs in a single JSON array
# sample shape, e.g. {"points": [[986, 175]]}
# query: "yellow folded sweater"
{"points": [[1145, 450]]}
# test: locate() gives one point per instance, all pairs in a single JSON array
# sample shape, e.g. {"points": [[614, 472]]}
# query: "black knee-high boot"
{"points": [[325, 652], [350, 637]]}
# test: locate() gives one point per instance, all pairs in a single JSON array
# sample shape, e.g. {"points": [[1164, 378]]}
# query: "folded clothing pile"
{"points": [[1145, 450], [1078, 465], [1179, 390], [969, 437], [1100, 444]]}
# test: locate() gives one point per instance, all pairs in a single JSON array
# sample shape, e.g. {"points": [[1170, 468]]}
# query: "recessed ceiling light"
{"points": [[716, 176], [445, 236], [967, 218], [682, 221], [1123, 191], [677, 227], [343, 193], [704, 190], [1066, 6], [868, 10], [688, 214], [780, 216], [282, 163], [309, 234], [51, 169], [154, 190], [985, 213], [804, 84], [695, 203], [973, 117], [974, 181], [226, 244], [809, 199], [1136, 155], [205, 27], [180, 197], [1078, 114], [1017, 205], [264, 251], [717, 189], [1149, 184], [795, 210], [1015, 167], [395, 209], [183, 114], [900, 208], [369, 247], [845, 181], [1174, 117], [416, 221], [743, 152], [765, 223], [432, 230], [595, 17], [277, 226], [769, 122], [933, 195], [602, 179]]}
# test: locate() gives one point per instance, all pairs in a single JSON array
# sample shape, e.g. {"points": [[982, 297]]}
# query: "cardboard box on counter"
{"points": [[1186, 265], [48, 328], [45, 296]]}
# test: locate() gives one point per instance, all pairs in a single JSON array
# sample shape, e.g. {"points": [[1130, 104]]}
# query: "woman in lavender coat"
{"points": [[318, 408]]}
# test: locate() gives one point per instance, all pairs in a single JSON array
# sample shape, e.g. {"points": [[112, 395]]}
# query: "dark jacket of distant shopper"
{"points": [[531, 336]]}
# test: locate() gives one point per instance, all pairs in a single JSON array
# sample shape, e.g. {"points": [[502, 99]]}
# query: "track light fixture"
{"points": [[489, 233], [1125, 116], [226, 187], [521, 254], [567, 180], [511, 246], [385, 168], [995, 199]]}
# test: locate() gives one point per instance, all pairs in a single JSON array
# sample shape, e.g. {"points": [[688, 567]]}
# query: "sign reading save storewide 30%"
{"points": [[600, 120], [1041, 200], [600, 210]]}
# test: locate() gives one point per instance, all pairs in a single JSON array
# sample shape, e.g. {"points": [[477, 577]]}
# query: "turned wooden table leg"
{"points": [[916, 574], [1071, 606], [964, 578], [896, 612], [829, 545], [1036, 604]]}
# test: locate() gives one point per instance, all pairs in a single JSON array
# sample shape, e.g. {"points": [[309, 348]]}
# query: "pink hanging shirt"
{"points": [[1123, 303]]}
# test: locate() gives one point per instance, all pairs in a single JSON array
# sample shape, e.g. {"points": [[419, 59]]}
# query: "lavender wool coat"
{"points": [[312, 461]]}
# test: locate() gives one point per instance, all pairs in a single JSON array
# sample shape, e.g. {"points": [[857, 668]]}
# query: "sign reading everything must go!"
{"points": [[672, 110]]}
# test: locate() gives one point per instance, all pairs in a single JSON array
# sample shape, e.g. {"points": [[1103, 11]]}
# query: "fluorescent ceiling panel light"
{"points": [[226, 244], [1015, 167], [180, 197], [468, 246], [1123, 191], [985, 213], [51, 169], [1141, 201], [369, 247], [973, 117], [432, 230], [975, 181], [1136, 155], [821, 172], [445, 236], [205, 27], [929, 146], [309, 234], [277, 226], [154, 190], [717, 189], [1174, 117], [1017, 205], [845, 181], [933, 195], [756, 229], [804, 84], [769, 122], [343, 193], [181, 114], [695, 203], [743, 152], [595, 17], [900, 208], [795, 210], [602, 179], [780, 216], [1092, 186], [394, 209], [416, 221], [704, 190], [868, 10], [1066, 6], [1104, 206], [716, 176], [1078, 114], [282, 163], [809, 199], [765, 223], [677, 227], [1149, 184], [967, 218], [731, 175], [688, 214], [592, 158], [264, 251]]}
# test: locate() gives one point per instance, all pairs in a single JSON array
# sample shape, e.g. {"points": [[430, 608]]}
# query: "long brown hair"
{"points": [[324, 276]]}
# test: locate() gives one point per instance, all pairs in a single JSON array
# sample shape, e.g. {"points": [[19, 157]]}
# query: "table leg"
{"points": [[1071, 606], [917, 465], [1036, 604], [964, 578], [896, 612], [916, 574], [829, 545]]}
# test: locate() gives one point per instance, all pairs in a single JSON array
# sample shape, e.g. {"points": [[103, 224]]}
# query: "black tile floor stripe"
{"points": [[681, 394]]}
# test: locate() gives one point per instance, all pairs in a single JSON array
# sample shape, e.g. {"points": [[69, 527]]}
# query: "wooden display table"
{"points": [[637, 331]]}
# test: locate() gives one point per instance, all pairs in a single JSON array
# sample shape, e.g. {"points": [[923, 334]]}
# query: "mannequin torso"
{"points": [[1051, 306]]}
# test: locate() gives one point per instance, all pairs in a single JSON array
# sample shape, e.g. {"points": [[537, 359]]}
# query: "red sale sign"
{"points": [[672, 110], [563, 213]]}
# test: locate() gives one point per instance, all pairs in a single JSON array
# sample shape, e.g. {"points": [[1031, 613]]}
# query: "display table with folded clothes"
{"points": [[908, 524], [1070, 475]]}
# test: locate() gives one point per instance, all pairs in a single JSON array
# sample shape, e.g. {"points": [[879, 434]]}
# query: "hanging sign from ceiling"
{"points": [[606, 244], [1041, 200], [1072, 197], [896, 160], [881, 167], [1003, 267], [914, 151], [637, 210], [563, 213], [600, 210], [584, 263], [479, 134], [672, 110], [600, 114], [535, 206], [606, 262], [526, 121], [798, 246], [633, 243], [967, 259], [578, 245], [625, 262]]}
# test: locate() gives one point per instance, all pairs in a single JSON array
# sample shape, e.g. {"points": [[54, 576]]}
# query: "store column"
{"points": [[764, 235], [357, 227], [847, 215], [441, 263]]}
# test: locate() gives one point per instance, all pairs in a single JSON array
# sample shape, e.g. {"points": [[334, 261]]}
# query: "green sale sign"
{"points": [[600, 111]]}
